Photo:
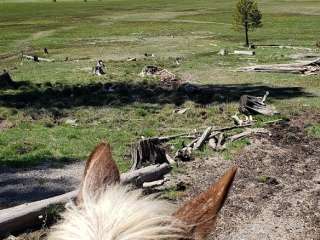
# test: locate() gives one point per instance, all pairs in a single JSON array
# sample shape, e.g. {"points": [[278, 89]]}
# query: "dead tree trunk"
{"points": [[148, 152]]}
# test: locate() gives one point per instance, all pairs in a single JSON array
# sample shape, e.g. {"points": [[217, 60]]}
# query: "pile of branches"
{"points": [[306, 68], [167, 78]]}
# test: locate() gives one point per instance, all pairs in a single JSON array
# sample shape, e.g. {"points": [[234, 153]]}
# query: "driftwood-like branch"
{"points": [[147, 174], [242, 52], [154, 183], [247, 133], [203, 138], [31, 215], [37, 59]]}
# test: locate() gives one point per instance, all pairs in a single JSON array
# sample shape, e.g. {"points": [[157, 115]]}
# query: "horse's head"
{"points": [[105, 210]]}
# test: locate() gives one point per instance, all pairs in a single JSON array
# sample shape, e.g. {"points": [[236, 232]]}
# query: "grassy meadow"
{"points": [[35, 116]]}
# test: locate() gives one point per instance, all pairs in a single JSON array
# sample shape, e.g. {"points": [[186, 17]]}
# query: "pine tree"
{"points": [[247, 17]]}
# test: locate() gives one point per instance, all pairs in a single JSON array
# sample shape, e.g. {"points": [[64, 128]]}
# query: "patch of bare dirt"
{"points": [[276, 193]]}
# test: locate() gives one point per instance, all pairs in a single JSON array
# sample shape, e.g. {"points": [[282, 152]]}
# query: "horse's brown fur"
{"points": [[200, 213]]}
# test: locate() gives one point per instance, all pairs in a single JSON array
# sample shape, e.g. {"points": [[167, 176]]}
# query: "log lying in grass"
{"points": [[306, 67], [249, 53], [36, 58], [32, 215], [246, 133]]}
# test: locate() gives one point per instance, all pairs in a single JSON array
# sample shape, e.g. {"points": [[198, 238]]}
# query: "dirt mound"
{"points": [[277, 189]]}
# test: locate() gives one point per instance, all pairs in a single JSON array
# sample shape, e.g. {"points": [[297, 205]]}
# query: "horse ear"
{"points": [[200, 213], [100, 171]]}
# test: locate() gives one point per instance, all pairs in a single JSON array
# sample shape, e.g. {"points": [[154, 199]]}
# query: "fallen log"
{"points": [[246, 133], [33, 215], [241, 52], [203, 138], [30, 215], [37, 59]]}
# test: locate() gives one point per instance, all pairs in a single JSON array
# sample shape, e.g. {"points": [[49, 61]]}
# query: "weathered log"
{"points": [[246, 133], [242, 52], [219, 142], [154, 183], [147, 174], [203, 138], [32, 215], [37, 59]]}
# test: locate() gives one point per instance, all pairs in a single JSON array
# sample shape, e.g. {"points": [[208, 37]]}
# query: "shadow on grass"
{"points": [[119, 94]]}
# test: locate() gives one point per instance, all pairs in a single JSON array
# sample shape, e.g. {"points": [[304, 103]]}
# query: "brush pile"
{"points": [[166, 77], [305, 68]]}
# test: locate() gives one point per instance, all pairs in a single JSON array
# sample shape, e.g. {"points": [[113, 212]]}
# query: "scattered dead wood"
{"points": [[166, 77], [149, 151], [181, 110], [154, 184], [202, 139], [36, 58], [147, 174], [246, 133], [306, 68], [255, 105], [185, 154], [131, 59], [242, 52]]}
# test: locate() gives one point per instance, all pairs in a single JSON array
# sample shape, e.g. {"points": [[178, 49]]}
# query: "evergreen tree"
{"points": [[247, 17]]}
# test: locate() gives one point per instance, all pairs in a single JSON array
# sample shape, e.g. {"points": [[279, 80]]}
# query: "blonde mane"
{"points": [[118, 214]]}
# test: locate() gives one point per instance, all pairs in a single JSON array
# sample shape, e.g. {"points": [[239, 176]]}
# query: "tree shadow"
{"points": [[23, 185], [121, 93]]}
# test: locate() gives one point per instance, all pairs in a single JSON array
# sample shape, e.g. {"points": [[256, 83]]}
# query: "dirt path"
{"points": [[276, 194], [22, 185]]}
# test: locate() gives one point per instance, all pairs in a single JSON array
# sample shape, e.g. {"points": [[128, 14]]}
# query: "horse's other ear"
{"points": [[200, 213], [100, 171]]}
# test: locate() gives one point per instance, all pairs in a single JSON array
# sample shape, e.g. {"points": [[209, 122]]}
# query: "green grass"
{"points": [[314, 130], [113, 30]]}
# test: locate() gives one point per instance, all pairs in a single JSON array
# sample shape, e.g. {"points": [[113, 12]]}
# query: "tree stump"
{"points": [[148, 152]]}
